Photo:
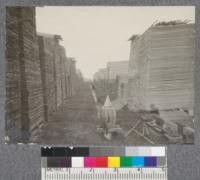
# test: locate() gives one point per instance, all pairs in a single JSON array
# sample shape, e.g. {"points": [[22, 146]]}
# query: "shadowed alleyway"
{"points": [[75, 123]]}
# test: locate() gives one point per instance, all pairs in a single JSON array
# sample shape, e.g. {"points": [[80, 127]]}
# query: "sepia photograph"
{"points": [[100, 75]]}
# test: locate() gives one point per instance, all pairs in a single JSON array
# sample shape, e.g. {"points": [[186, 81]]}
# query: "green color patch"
{"points": [[125, 161]]}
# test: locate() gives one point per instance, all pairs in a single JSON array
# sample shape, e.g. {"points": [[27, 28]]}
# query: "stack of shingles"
{"points": [[170, 66]]}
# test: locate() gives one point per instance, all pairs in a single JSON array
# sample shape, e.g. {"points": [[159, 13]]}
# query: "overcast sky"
{"points": [[96, 35]]}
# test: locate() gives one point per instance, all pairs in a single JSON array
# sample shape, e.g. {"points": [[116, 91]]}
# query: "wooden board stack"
{"points": [[13, 87], [24, 97], [32, 75], [163, 58]]}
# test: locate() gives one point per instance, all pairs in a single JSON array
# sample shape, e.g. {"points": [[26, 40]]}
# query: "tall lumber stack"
{"points": [[39, 76], [47, 66], [67, 76], [71, 75], [24, 102], [134, 93], [138, 68], [123, 87], [171, 69], [55, 69], [163, 58], [63, 72], [58, 76], [32, 70], [13, 85]]}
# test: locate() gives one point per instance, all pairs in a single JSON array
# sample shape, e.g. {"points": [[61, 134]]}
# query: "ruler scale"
{"points": [[108, 163], [105, 173]]}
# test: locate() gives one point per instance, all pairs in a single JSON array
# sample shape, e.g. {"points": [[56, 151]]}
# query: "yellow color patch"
{"points": [[113, 162]]}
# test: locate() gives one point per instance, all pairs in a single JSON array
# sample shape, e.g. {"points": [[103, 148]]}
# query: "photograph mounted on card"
{"points": [[113, 75]]}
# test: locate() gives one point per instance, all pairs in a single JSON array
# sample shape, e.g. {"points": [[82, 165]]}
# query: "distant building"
{"points": [[107, 80], [102, 74], [117, 68]]}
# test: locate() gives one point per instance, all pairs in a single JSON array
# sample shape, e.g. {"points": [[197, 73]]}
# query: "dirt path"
{"points": [[75, 124]]}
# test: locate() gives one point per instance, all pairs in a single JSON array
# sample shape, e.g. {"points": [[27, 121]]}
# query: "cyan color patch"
{"points": [[138, 161]]}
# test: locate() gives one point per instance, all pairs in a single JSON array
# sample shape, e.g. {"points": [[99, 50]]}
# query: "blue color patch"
{"points": [[138, 161], [150, 161]]}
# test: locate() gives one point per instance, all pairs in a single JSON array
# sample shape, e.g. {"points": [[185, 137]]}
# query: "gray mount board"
{"points": [[22, 162]]}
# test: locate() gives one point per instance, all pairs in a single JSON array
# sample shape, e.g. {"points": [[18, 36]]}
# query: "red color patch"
{"points": [[101, 162]]}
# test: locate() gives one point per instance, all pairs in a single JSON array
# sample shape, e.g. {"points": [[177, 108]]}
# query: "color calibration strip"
{"points": [[102, 151], [109, 157], [104, 162]]}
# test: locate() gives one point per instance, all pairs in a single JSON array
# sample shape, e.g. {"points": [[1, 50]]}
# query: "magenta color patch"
{"points": [[89, 162]]}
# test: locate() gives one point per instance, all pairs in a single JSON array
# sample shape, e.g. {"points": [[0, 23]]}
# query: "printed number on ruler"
{"points": [[104, 173]]}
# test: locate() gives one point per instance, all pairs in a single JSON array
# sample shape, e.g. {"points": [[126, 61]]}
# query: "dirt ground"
{"points": [[75, 123]]}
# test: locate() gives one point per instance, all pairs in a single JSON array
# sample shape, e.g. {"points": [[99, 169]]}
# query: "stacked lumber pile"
{"points": [[13, 86], [63, 73], [178, 124], [38, 75], [55, 70], [163, 58], [68, 77], [134, 99], [177, 117], [72, 75], [123, 86], [58, 78], [170, 66], [32, 76], [138, 67], [46, 49], [23, 78]]}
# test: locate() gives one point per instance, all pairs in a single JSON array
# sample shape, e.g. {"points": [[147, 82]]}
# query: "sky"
{"points": [[96, 35]]}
